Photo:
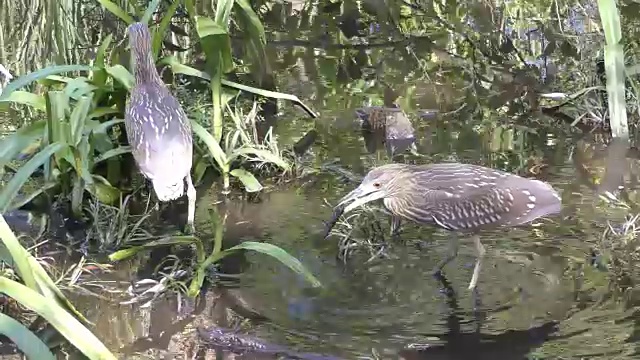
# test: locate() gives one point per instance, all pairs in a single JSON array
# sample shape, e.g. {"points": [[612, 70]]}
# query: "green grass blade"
{"points": [[223, 12], [25, 340], [27, 79], [65, 323], [180, 68], [39, 191]]}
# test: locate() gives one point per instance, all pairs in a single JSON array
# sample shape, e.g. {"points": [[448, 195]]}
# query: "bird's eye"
{"points": [[376, 185]]}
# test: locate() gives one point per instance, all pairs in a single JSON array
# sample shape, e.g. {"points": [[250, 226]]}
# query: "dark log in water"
{"points": [[337, 212]]}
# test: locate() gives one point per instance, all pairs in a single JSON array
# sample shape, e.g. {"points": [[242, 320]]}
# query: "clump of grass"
{"points": [[114, 226], [620, 247], [361, 233]]}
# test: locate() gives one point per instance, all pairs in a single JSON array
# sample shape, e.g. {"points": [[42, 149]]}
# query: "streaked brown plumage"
{"points": [[158, 128], [456, 197]]}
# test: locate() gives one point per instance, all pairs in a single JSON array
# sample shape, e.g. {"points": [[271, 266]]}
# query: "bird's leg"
{"points": [[480, 251], [191, 199], [451, 254], [395, 226]]}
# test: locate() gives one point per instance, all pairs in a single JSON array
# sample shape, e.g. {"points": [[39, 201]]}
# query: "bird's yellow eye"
{"points": [[376, 185]]}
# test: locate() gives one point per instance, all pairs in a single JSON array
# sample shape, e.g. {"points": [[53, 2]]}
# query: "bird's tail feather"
{"points": [[168, 191]]}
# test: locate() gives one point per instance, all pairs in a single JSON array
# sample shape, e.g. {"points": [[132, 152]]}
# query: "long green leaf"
{"points": [[270, 94], [264, 155], [251, 184], [102, 51], [25, 340], [214, 147], [162, 28], [166, 241], [65, 323], [27, 79], [19, 255], [78, 118], [614, 68], [223, 12], [26, 98], [153, 6], [120, 150], [17, 181], [122, 75], [39, 191], [180, 68], [117, 11], [268, 249], [12, 145]]}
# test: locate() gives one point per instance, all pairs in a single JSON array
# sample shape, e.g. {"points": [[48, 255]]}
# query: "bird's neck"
{"points": [[144, 66]]}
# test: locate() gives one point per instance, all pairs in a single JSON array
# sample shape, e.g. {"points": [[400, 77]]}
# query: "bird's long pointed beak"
{"points": [[358, 197]]}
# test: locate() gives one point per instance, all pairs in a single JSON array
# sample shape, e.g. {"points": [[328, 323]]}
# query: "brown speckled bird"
{"points": [[455, 197], [158, 129]]}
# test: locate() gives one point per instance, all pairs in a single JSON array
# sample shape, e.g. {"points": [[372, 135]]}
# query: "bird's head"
{"points": [[379, 183]]}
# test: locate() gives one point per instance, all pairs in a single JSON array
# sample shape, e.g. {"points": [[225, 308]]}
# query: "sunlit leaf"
{"points": [[214, 147], [27, 79], [249, 181], [120, 150], [265, 155], [121, 75], [103, 190], [117, 11], [65, 323]]}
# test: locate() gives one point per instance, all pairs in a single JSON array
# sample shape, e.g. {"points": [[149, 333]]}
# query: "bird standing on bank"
{"points": [[455, 197], [158, 129]]}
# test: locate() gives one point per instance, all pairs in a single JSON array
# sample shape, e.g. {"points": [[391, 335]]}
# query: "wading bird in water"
{"points": [[455, 197]]}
